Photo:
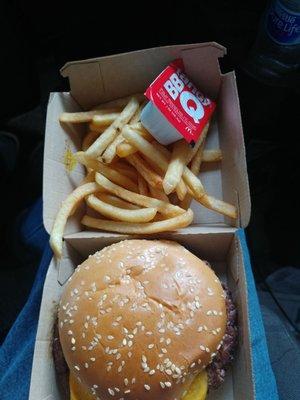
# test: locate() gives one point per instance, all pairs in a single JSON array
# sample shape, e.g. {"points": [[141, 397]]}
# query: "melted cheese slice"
{"points": [[198, 388]]}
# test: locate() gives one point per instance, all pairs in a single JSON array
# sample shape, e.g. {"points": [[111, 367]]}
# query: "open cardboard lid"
{"points": [[95, 81]]}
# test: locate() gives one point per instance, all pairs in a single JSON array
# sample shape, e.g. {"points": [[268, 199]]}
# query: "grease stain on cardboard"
{"points": [[69, 159]]}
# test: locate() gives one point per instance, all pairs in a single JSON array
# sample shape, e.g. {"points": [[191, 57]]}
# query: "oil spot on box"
{"points": [[69, 159]]}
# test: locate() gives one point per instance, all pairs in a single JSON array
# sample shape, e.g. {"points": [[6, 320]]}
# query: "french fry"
{"points": [[66, 208], [119, 103], [130, 173], [137, 115], [105, 119], [107, 171], [145, 170], [142, 185], [171, 224], [116, 201], [181, 151], [83, 116], [158, 194], [111, 150], [217, 205], [181, 189], [212, 155], [99, 146], [162, 149], [89, 139], [90, 177], [96, 128], [121, 214], [125, 149], [159, 159], [162, 207], [193, 182], [195, 168], [194, 150]]}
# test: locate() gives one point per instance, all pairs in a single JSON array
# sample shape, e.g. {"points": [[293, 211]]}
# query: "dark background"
{"points": [[36, 39]]}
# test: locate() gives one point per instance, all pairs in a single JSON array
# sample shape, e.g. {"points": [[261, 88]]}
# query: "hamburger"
{"points": [[143, 319]]}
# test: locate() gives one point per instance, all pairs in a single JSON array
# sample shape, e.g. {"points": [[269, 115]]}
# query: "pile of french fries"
{"points": [[135, 184]]}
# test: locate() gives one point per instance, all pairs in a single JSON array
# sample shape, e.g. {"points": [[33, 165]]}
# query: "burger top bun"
{"points": [[140, 318]]}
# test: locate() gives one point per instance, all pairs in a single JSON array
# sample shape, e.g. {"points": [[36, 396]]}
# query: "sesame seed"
{"points": [[168, 372], [86, 365], [144, 358], [209, 312], [95, 386], [120, 368], [178, 370], [150, 346], [130, 343], [168, 341], [200, 329], [147, 387], [124, 342], [202, 347], [192, 365], [215, 312], [129, 354], [73, 341], [110, 337], [127, 391], [71, 321], [162, 384], [133, 380], [93, 359], [125, 381], [73, 348], [168, 384], [118, 356], [149, 333], [70, 333], [111, 392], [77, 368], [86, 325], [152, 372]]}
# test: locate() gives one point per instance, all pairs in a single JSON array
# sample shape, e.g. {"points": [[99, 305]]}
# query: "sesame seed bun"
{"points": [[140, 318]]}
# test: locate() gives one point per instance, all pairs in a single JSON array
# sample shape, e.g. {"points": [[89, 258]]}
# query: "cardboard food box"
{"points": [[211, 236]]}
